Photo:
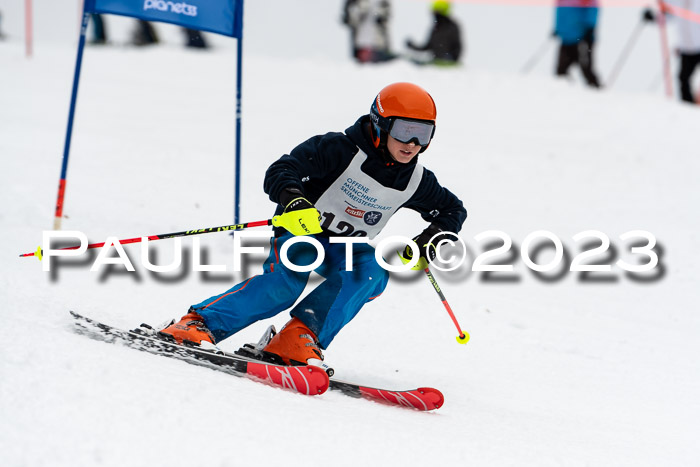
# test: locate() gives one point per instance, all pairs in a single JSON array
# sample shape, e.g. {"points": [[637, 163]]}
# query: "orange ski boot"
{"points": [[190, 329], [295, 344]]}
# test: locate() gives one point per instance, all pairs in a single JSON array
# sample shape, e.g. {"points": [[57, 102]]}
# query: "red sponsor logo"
{"points": [[355, 212]]}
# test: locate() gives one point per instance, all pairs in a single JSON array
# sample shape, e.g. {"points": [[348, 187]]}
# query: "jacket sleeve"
{"points": [[437, 204], [430, 44], [315, 158]]}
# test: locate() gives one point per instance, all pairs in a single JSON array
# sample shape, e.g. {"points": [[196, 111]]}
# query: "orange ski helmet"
{"points": [[405, 101]]}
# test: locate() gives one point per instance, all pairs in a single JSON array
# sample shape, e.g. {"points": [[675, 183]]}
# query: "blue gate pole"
{"points": [[239, 82], [69, 130]]}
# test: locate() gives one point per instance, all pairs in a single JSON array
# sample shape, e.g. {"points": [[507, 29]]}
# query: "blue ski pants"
{"points": [[325, 310]]}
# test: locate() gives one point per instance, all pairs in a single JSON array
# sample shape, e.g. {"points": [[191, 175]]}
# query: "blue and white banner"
{"points": [[218, 16]]}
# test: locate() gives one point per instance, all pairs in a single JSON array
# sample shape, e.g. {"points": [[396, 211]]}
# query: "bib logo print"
{"points": [[355, 212], [372, 217]]}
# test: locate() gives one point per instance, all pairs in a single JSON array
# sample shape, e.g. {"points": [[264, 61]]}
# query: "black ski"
{"points": [[308, 380]]}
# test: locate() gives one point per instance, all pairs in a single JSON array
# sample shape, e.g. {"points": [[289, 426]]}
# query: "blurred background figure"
{"points": [[368, 21], [349, 19], [195, 39], [2, 36], [145, 33], [575, 25], [99, 33], [688, 48], [444, 43]]}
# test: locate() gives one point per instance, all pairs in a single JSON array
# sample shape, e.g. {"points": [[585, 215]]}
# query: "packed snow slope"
{"points": [[562, 368]]}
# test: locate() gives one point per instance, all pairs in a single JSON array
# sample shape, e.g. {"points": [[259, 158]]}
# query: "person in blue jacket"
{"points": [[576, 21], [335, 185]]}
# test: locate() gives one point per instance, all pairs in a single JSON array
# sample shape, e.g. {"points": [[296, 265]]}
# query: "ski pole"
{"points": [[625, 53], [224, 228], [463, 337], [537, 56], [665, 54]]}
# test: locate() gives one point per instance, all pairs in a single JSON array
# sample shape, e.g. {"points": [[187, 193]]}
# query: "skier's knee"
{"points": [[292, 287], [379, 276]]}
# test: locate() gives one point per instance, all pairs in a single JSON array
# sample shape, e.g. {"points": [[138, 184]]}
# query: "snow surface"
{"points": [[566, 371]]}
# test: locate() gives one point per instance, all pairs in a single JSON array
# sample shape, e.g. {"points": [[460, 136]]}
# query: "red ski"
{"points": [[308, 380], [424, 399]]}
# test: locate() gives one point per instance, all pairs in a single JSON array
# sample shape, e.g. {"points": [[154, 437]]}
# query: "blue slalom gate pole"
{"points": [[237, 178], [69, 130], [239, 85]]}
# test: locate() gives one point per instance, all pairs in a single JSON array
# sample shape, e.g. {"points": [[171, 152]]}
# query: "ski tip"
{"points": [[432, 397], [77, 316], [422, 399]]}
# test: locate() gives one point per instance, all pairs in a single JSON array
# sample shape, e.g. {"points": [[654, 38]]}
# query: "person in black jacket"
{"points": [[444, 43], [144, 34], [330, 187], [195, 39], [99, 31]]}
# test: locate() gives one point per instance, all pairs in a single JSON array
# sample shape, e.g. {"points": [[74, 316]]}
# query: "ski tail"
{"points": [[309, 380]]}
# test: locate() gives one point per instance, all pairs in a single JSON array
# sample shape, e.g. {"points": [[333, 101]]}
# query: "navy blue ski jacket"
{"points": [[316, 163]]}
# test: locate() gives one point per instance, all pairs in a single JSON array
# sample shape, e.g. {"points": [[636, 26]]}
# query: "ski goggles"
{"points": [[406, 131]]}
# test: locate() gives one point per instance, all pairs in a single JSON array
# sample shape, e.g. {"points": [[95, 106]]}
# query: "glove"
{"points": [[426, 249], [300, 217], [648, 16]]}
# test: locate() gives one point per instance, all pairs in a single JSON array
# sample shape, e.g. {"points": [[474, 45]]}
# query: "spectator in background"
{"points": [[99, 33], [576, 21], [444, 43], [2, 36], [145, 33], [195, 39], [350, 21], [369, 27], [688, 47]]}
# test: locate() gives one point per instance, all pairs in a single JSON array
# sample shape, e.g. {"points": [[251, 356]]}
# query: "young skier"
{"points": [[337, 184]]}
